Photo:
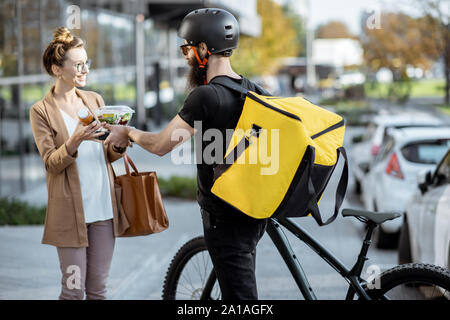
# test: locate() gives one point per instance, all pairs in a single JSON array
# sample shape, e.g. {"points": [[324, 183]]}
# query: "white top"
{"points": [[95, 188]]}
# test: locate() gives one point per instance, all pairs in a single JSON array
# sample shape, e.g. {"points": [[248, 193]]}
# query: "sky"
{"points": [[348, 11]]}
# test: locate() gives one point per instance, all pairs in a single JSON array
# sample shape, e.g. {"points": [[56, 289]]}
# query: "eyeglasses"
{"points": [[185, 48], [81, 65]]}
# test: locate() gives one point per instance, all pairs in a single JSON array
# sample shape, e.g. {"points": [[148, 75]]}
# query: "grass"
{"points": [[422, 88], [344, 104], [444, 108], [355, 112], [15, 212], [179, 187]]}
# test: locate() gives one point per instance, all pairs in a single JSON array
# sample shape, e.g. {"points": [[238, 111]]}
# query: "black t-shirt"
{"points": [[219, 108]]}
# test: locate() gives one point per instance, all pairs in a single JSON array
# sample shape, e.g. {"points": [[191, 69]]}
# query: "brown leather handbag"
{"points": [[139, 198]]}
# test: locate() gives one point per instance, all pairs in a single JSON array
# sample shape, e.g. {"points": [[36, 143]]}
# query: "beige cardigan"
{"points": [[64, 221]]}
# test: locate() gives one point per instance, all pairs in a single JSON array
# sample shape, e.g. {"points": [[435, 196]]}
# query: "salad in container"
{"points": [[120, 115]]}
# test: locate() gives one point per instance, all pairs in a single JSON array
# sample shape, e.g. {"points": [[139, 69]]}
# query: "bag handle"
{"points": [[127, 162], [340, 192]]}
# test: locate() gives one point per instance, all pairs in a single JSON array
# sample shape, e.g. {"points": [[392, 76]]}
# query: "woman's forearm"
{"points": [[72, 145]]}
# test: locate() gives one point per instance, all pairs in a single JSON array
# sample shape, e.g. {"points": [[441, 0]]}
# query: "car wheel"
{"points": [[404, 244], [448, 259], [387, 240], [357, 187]]}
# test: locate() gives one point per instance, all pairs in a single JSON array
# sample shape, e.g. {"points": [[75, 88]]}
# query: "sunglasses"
{"points": [[185, 48], [80, 66]]}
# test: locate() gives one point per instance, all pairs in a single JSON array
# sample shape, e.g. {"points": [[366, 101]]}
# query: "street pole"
{"points": [[140, 73], [158, 107], [310, 68], [2, 107], [19, 98]]}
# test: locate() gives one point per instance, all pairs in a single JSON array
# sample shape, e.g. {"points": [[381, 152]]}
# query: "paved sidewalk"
{"points": [[30, 270]]}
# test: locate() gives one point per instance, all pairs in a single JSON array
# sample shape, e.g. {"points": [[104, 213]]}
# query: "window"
{"points": [[426, 152], [443, 171], [386, 149]]}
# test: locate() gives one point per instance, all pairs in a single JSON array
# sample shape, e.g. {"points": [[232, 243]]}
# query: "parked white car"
{"points": [[425, 234], [366, 147], [391, 181]]}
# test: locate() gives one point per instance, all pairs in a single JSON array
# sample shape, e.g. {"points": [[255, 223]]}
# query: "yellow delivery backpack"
{"points": [[281, 156]]}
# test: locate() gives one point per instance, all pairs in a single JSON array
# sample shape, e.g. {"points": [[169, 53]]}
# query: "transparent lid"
{"points": [[115, 114], [115, 110]]}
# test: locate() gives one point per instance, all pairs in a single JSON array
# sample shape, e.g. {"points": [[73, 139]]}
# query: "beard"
{"points": [[196, 75]]}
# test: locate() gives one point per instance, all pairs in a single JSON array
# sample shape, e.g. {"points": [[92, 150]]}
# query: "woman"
{"points": [[82, 218]]}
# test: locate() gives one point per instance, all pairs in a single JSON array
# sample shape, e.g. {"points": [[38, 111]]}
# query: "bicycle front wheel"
{"points": [[412, 281], [191, 275]]}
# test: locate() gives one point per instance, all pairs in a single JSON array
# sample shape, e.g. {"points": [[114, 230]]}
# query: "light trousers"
{"points": [[86, 270]]}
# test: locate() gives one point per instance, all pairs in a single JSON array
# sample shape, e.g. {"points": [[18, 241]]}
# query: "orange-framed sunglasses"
{"points": [[185, 48]]}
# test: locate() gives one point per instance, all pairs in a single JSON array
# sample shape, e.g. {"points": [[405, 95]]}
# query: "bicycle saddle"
{"points": [[376, 217]]}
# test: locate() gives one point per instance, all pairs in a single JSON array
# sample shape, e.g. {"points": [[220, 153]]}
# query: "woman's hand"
{"points": [[82, 133]]}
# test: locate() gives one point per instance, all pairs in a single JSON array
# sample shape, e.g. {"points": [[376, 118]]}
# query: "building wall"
{"points": [[337, 52], [110, 43]]}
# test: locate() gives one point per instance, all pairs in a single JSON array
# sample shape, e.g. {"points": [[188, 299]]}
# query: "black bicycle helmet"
{"points": [[218, 28]]}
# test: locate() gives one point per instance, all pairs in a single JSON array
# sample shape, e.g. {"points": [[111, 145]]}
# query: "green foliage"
{"points": [[344, 103], [279, 38], [422, 88], [445, 108], [355, 112], [299, 28], [180, 187], [15, 212]]}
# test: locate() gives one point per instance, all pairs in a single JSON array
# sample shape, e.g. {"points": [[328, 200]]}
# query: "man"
{"points": [[231, 236]]}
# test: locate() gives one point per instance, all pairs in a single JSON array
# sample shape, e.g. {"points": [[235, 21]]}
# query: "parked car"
{"points": [[367, 146], [391, 181], [425, 234]]}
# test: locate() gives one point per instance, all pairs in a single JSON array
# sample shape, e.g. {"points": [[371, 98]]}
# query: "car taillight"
{"points": [[374, 150], [393, 167]]}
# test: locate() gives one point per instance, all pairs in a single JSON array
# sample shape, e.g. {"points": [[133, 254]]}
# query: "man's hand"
{"points": [[160, 143], [118, 135]]}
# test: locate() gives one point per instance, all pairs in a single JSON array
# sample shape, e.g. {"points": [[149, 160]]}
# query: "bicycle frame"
{"points": [[283, 245]]}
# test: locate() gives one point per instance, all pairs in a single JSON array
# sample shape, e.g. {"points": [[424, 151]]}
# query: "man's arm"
{"points": [[160, 143]]}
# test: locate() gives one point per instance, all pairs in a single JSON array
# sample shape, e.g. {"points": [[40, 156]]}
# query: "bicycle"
{"points": [[410, 281]]}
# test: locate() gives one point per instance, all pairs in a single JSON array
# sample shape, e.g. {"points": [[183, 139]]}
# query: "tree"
{"points": [[333, 30], [299, 27], [260, 56], [402, 41], [437, 18]]}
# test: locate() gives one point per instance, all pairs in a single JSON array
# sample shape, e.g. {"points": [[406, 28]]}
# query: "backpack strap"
{"points": [[340, 192], [232, 85]]}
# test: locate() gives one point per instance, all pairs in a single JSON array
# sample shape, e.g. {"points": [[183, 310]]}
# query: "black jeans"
{"points": [[232, 247]]}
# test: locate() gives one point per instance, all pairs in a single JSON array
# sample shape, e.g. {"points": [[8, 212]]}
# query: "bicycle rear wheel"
{"points": [[191, 275], [412, 281]]}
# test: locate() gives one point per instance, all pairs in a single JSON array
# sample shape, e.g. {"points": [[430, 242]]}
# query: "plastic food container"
{"points": [[115, 114]]}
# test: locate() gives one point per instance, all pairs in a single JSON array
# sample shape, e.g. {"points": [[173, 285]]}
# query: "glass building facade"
{"points": [[26, 28], [135, 61]]}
